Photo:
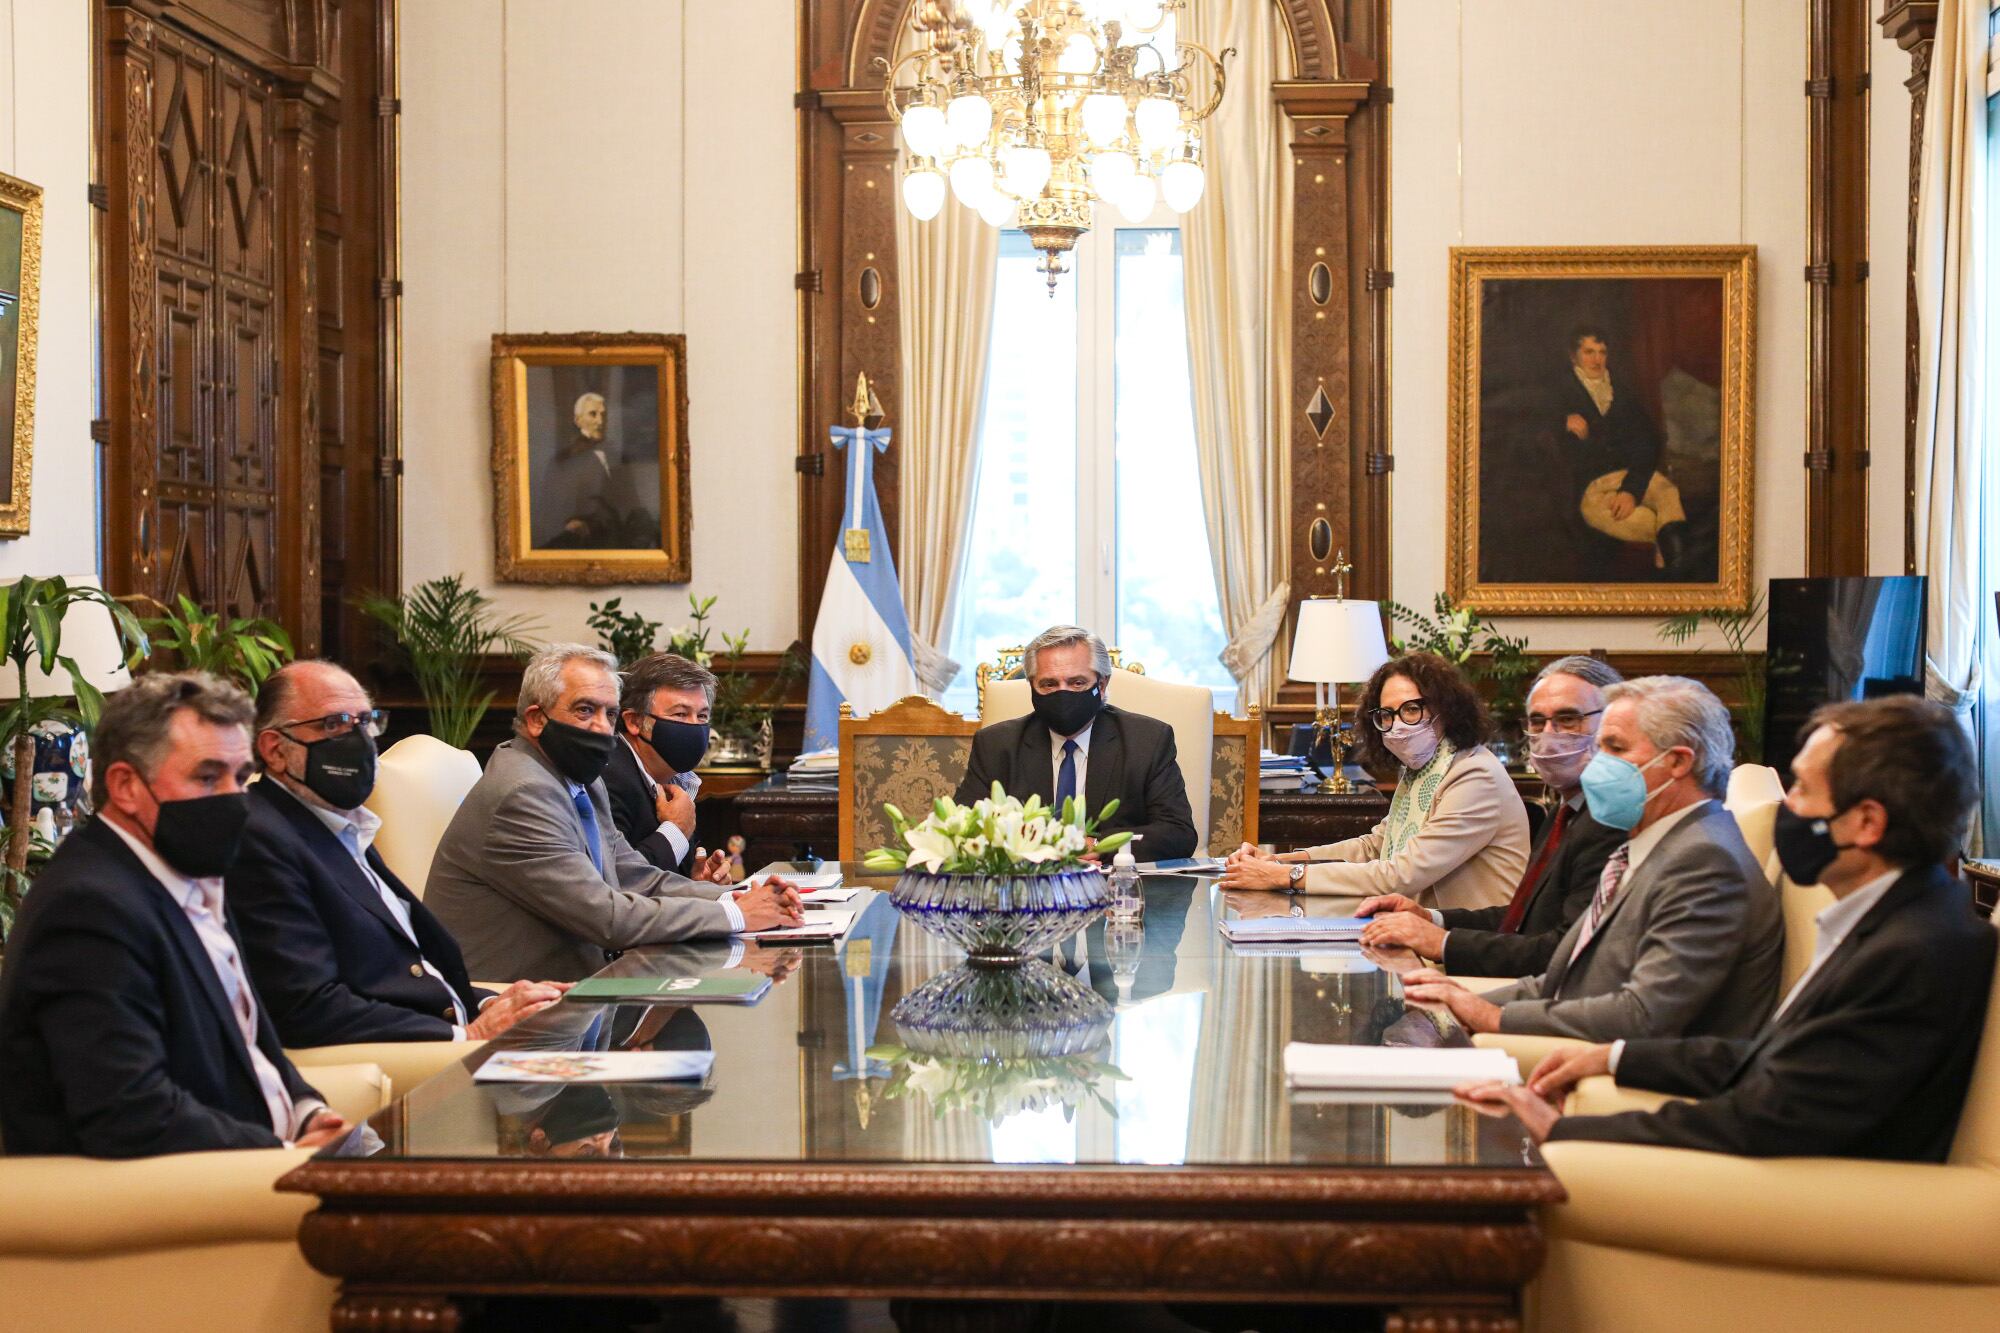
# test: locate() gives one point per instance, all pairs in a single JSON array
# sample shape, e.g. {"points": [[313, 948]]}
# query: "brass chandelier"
{"points": [[1032, 112]]}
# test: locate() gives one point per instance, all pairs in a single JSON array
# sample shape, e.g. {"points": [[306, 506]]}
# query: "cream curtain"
{"points": [[1237, 306], [946, 269], [1953, 483]]}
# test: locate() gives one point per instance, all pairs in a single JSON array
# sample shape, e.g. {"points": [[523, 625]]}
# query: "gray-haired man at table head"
{"points": [[533, 877], [1518, 938], [1683, 936]]}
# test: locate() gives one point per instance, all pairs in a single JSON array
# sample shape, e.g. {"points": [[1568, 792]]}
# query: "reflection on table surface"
{"points": [[1160, 1043]]}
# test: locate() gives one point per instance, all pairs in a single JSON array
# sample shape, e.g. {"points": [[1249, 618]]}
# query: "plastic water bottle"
{"points": [[1127, 900]]}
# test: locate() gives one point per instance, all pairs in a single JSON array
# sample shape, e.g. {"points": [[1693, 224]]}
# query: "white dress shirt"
{"points": [[200, 900], [1599, 388], [1056, 743], [687, 782], [1836, 922], [356, 830], [727, 902]]}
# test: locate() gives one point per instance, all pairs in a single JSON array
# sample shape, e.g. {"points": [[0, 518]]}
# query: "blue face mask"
{"points": [[1615, 789]]}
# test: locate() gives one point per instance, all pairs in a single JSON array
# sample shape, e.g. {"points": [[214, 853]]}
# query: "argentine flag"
{"points": [[861, 641]]}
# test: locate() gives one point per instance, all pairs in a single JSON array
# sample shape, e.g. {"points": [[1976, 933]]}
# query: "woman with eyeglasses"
{"points": [[1456, 834]]}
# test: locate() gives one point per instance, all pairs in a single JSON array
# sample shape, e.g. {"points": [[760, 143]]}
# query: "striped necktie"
{"points": [[1607, 889]]}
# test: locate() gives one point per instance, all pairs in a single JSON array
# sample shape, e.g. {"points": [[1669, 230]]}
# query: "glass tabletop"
{"points": [[1159, 1043]]}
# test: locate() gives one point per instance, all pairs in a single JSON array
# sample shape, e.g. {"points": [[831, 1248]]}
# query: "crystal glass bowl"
{"points": [[1001, 921], [1033, 1011]]}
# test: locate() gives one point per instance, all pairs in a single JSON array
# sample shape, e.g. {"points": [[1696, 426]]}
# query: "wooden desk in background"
{"points": [[780, 822]]}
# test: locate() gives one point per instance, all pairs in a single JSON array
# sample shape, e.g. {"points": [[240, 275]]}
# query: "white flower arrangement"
{"points": [[1000, 835], [993, 1090]]}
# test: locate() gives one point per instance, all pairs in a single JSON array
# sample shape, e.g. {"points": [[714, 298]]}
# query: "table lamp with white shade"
{"points": [[1336, 642]]}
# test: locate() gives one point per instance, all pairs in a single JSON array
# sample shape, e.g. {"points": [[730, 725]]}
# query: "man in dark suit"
{"points": [[1075, 743], [1518, 938], [663, 734], [339, 947], [1871, 1050], [128, 1026], [1613, 446]]}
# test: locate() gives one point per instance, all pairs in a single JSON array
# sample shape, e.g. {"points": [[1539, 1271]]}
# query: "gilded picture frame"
{"points": [[20, 325], [590, 458], [1573, 373]]}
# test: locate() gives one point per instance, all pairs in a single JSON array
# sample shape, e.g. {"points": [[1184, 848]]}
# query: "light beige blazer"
{"points": [[1471, 852]]}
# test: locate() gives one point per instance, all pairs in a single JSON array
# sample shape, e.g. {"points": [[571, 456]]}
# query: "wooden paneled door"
{"points": [[246, 158]]}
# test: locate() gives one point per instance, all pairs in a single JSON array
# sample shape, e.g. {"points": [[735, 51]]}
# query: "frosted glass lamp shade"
{"points": [[90, 639], [1158, 120], [1182, 182], [971, 180], [1079, 56], [924, 131], [923, 192], [1108, 174], [1028, 170], [997, 208], [1136, 198], [1103, 118], [970, 118], [1337, 642]]}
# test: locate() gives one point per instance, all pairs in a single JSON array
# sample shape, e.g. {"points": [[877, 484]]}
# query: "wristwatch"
{"points": [[1298, 875]]}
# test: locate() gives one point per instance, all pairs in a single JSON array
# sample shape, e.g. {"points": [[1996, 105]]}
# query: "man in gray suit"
{"points": [[1684, 936], [533, 877]]}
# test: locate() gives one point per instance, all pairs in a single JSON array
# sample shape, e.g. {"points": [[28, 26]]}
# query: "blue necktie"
{"points": [[1066, 779], [580, 798]]}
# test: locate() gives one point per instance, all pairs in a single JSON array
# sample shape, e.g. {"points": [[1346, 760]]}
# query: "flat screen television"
{"points": [[1837, 638]]}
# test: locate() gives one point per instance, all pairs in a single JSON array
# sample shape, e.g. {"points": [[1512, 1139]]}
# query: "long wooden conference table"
{"points": [[1155, 1156]]}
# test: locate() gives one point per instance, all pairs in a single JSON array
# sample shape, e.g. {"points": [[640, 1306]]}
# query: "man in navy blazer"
{"points": [[128, 1026], [341, 950]]}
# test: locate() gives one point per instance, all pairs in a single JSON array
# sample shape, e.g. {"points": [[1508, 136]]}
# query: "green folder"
{"points": [[732, 987]]}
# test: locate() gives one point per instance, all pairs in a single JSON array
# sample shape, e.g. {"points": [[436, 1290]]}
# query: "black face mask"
{"points": [[1805, 844], [680, 745], [1066, 712], [578, 753], [340, 770], [199, 836]]}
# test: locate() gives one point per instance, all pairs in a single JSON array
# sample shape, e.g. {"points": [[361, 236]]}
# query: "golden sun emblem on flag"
{"points": [[859, 654]]}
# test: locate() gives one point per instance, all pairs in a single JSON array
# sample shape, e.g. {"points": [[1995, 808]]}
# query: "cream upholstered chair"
{"points": [[1188, 709], [1805, 1242], [192, 1241], [1752, 785], [407, 1063], [418, 787]]}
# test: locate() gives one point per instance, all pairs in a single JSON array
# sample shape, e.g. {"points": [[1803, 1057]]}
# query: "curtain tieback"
{"points": [[1253, 639], [1940, 690], [935, 671]]}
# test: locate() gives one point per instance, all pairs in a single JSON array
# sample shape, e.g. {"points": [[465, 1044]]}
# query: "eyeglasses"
{"points": [[1568, 720], [374, 722], [1414, 712]]}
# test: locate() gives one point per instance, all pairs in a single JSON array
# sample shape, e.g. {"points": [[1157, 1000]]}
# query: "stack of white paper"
{"points": [[826, 878], [830, 924], [594, 1066], [1396, 1068], [1271, 928]]}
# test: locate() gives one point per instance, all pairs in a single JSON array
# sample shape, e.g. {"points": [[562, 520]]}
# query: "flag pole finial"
{"points": [[866, 408]]}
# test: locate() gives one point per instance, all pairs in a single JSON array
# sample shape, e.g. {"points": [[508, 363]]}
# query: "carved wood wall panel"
{"points": [[1912, 24], [1334, 93], [249, 301]]}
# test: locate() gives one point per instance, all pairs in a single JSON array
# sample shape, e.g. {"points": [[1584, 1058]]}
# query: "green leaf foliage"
{"points": [[444, 628], [1739, 633], [245, 650]]}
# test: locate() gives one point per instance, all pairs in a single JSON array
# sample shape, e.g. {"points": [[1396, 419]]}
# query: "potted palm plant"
{"points": [[445, 628], [243, 649]]}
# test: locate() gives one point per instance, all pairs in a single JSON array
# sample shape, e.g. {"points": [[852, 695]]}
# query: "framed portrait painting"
{"points": [[20, 297], [590, 458], [1601, 427]]}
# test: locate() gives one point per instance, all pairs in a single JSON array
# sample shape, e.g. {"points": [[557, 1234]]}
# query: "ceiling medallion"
{"points": [[1031, 112]]}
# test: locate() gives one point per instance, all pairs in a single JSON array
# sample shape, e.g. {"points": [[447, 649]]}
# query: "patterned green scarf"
{"points": [[1410, 808]]}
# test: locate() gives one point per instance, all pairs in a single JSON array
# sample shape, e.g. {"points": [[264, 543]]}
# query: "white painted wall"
{"points": [[45, 140], [1547, 122], [620, 165]]}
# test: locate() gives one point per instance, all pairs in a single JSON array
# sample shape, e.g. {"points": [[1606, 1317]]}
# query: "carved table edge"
{"points": [[780, 1188]]}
